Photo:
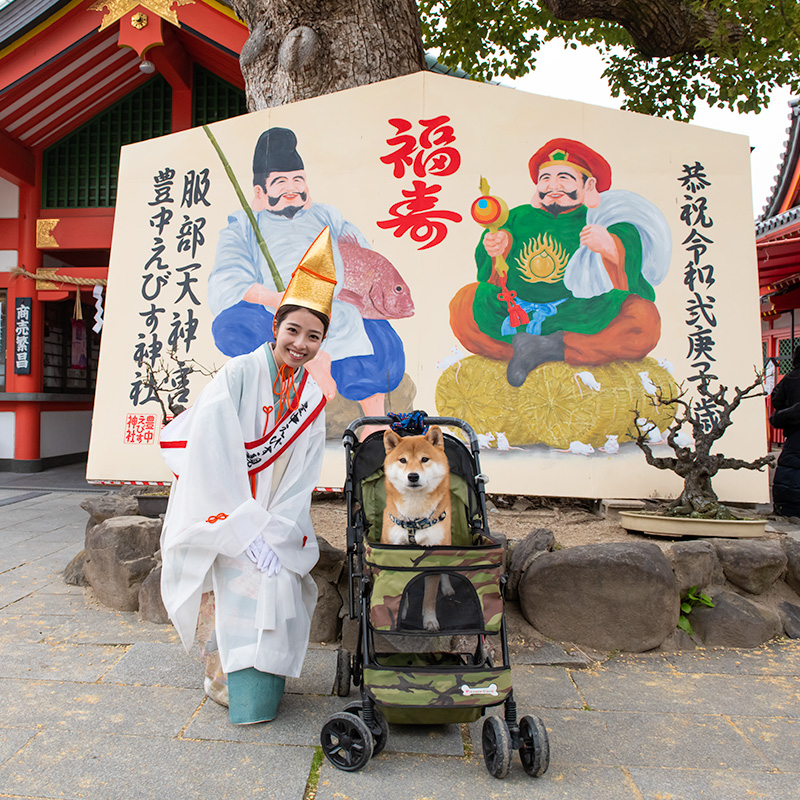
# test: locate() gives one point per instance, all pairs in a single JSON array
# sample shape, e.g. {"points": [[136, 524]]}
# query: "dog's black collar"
{"points": [[420, 524]]}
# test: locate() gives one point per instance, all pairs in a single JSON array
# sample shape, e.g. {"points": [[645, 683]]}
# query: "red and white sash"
{"points": [[262, 452]]}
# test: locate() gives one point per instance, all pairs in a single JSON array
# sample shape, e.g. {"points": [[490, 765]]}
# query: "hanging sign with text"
{"points": [[22, 336]]}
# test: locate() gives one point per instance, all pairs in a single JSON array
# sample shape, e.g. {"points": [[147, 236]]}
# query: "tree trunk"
{"points": [[698, 497], [657, 27], [306, 48]]}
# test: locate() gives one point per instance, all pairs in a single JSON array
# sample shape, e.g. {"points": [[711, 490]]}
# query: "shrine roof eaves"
{"points": [[774, 224], [21, 16], [786, 168]]}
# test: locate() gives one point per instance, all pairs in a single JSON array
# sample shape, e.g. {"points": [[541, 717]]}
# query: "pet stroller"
{"points": [[407, 674]]}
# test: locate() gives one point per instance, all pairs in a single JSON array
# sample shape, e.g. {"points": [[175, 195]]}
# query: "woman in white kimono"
{"points": [[247, 456]]}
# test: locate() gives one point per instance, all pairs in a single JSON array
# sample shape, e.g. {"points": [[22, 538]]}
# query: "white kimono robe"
{"points": [[212, 518]]}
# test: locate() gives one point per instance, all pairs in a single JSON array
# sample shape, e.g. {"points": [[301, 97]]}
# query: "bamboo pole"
{"points": [[279, 287]]}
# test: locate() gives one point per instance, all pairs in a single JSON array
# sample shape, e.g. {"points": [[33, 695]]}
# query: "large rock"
{"points": [[695, 564], [119, 556], [114, 504], [350, 633], [616, 596], [734, 621], [792, 549], [151, 606], [752, 566], [330, 563], [325, 624], [790, 617], [538, 541], [329, 570], [678, 640], [349, 626], [73, 572]]}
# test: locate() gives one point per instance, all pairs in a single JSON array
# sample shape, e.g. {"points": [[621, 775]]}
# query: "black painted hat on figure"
{"points": [[276, 151]]}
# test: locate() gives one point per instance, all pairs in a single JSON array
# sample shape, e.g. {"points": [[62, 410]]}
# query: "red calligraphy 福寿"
{"points": [[429, 153]]}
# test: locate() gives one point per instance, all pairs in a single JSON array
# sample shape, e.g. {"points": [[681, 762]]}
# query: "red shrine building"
{"points": [[778, 246], [79, 79]]}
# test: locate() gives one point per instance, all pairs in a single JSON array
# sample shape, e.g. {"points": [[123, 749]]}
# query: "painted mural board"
{"points": [[535, 266]]}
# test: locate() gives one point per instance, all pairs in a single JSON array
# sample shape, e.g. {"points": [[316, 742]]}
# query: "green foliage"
{"points": [[754, 47], [693, 598]]}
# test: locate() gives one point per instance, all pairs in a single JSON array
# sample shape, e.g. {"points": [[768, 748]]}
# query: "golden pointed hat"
{"points": [[314, 279]]}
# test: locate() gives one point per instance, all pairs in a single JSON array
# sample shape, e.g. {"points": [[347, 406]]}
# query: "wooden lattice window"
{"points": [[215, 99], [80, 170], [785, 350]]}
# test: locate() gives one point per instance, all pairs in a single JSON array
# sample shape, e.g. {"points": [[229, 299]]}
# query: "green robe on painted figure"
{"points": [[542, 245]]}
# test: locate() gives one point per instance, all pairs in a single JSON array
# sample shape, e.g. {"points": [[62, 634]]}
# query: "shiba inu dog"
{"points": [[417, 477]]}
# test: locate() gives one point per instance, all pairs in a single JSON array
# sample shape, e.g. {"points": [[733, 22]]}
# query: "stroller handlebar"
{"points": [[452, 422]]}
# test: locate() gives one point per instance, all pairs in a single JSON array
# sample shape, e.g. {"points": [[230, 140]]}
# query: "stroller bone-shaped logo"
{"points": [[469, 690]]}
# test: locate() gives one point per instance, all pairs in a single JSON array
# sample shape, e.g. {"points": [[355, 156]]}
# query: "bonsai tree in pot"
{"points": [[693, 460]]}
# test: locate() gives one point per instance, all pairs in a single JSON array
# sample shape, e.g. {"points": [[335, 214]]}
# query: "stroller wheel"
{"points": [[343, 673], [534, 747], [379, 740], [497, 749], [346, 741]]}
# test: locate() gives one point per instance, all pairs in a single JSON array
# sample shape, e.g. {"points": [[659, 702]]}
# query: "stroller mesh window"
{"points": [[456, 604], [398, 586]]}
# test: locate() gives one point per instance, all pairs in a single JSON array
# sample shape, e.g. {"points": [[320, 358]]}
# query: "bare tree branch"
{"points": [[172, 380], [658, 27]]}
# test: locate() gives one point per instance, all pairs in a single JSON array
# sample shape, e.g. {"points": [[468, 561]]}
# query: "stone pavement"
{"points": [[102, 706]]}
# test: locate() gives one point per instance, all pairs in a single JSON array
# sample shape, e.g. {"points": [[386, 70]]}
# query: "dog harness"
{"points": [[420, 524]]}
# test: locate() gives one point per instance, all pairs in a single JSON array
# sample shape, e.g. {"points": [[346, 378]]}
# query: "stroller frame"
{"points": [[351, 737]]}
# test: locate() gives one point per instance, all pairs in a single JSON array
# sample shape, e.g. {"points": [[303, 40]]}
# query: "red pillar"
{"points": [[27, 427], [181, 109], [174, 64]]}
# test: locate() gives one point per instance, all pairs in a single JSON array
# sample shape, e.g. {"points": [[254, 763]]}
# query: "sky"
{"points": [[576, 75]]}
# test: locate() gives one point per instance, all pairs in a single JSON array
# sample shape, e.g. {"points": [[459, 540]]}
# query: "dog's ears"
{"points": [[435, 436], [390, 441]]}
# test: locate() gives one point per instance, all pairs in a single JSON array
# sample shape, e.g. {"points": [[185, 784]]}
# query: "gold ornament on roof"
{"points": [[314, 279], [542, 260], [116, 9], [139, 21]]}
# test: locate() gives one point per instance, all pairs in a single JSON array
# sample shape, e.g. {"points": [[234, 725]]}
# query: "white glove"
{"points": [[263, 556]]}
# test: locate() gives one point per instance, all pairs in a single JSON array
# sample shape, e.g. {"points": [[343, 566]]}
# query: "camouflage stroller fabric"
{"points": [[416, 681]]}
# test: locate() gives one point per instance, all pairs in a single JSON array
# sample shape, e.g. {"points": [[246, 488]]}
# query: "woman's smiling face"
{"points": [[298, 338]]}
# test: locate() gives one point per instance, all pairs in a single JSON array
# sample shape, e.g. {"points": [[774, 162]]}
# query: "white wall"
{"points": [[8, 259], [65, 432], [6, 434], [9, 209], [9, 199]]}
